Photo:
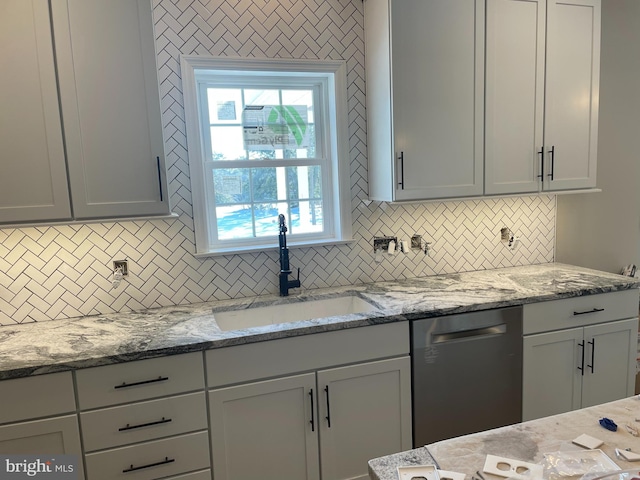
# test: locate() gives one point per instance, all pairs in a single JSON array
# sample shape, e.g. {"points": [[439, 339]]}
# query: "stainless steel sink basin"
{"points": [[291, 312]]}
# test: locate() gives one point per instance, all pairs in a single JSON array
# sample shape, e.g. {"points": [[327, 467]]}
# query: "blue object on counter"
{"points": [[608, 424]]}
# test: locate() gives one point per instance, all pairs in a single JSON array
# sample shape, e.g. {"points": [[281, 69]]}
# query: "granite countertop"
{"points": [[59, 345], [527, 441]]}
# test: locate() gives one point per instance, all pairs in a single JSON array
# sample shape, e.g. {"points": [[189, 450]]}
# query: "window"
{"points": [[266, 137]]}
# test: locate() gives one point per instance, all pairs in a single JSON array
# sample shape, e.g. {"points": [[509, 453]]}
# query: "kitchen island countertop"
{"points": [[60, 345], [527, 441]]}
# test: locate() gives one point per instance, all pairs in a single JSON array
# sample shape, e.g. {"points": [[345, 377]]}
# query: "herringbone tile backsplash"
{"points": [[65, 271]]}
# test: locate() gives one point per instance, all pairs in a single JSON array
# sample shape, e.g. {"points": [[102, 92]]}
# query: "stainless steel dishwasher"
{"points": [[466, 373]]}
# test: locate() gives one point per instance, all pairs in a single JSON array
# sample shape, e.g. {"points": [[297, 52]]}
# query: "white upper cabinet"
{"points": [[541, 95], [514, 95], [452, 112], [80, 129], [425, 98], [33, 180], [110, 107], [572, 92]]}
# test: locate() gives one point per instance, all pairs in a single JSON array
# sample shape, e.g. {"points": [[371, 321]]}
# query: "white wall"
{"points": [[602, 230]]}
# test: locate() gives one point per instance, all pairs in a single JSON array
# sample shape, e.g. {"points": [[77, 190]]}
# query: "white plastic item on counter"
{"points": [[510, 468], [410, 472], [587, 441], [628, 456]]}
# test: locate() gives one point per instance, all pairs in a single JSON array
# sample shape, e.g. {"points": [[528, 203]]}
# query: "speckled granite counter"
{"points": [[527, 441], [59, 345]]}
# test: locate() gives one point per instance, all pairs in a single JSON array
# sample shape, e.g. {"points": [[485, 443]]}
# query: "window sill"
{"points": [[266, 248]]}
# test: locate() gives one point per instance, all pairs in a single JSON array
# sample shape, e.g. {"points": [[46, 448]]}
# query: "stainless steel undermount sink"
{"points": [[291, 312]]}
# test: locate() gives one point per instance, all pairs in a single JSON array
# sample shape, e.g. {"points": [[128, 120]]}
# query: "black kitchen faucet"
{"points": [[285, 271]]}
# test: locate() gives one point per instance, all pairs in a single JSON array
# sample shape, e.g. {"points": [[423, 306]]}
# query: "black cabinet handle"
{"points": [[328, 417], [553, 156], [133, 427], [401, 182], [595, 310], [593, 353], [581, 368], [125, 385], [541, 153], [133, 469], [159, 177], [313, 424]]}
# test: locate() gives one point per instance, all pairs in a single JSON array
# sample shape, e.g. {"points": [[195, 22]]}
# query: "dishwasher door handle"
{"points": [[476, 332]]}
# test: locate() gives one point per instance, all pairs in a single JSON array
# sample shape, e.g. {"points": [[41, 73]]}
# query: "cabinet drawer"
{"points": [[147, 461], [310, 352], [140, 380], [38, 396], [140, 422], [579, 311]]}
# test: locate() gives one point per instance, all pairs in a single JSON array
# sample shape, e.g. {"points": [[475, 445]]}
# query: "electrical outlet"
{"points": [[416, 242], [382, 243], [123, 265]]}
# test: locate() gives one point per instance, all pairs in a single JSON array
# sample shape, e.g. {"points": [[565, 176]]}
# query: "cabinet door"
{"points": [[610, 362], [572, 86], [264, 430], [551, 380], [514, 95], [357, 404], [54, 436], [33, 179], [111, 107], [437, 51]]}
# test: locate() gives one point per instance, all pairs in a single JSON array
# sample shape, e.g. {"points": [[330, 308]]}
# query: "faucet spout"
{"points": [[285, 270]]}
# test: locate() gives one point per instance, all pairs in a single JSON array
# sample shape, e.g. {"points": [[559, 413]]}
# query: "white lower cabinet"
{"points": [[57, 435], [310, 407], [589, 364], [364, 414], [145, 419], [25, 401], [269, 423], [325, 425]]}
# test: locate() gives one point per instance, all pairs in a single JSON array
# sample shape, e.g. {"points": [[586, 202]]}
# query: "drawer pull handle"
{"points": [[595, 310], [133, 427], [328, 417], [581, 368], [125, 385], [159, 178], [313, 424], [163, 462], [553, 159]]}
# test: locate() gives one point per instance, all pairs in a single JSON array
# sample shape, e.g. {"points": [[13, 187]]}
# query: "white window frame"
{"points": [[336, 181]]}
